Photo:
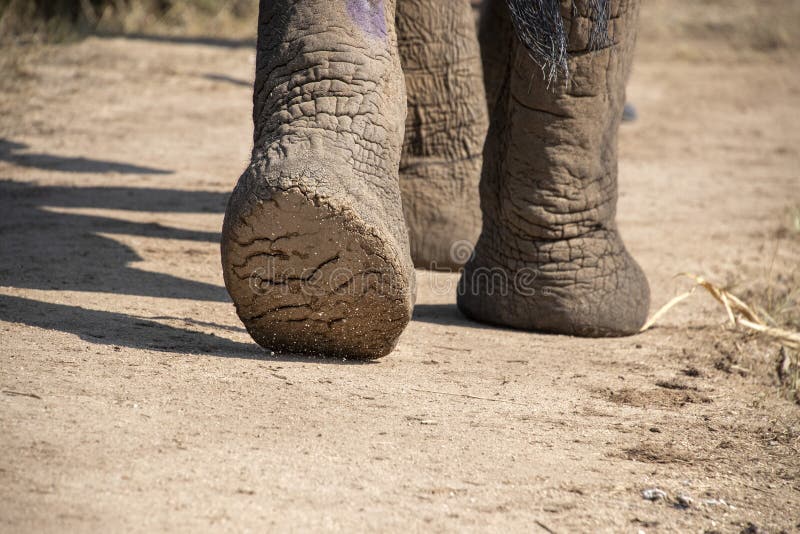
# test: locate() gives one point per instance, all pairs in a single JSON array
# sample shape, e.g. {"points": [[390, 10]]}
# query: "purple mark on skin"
{"points": [[369, 16]]}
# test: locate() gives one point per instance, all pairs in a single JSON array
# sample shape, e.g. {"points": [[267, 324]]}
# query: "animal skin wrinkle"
{"points": [[560, 212], [536, 109], [352, 277], [287, 279], [280, 81], [260, 254], [267, 239]]}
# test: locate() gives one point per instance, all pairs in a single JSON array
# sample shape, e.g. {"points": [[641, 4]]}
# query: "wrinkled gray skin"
{"points": [[549, 186], [445, 130], [351, 158]]}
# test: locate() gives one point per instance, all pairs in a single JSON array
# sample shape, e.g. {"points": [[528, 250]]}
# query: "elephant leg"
{"points": [[549, 257], [314, 247], [445, 129], [496, 37]]}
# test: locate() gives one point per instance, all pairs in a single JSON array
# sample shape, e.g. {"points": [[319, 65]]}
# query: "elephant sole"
{"points": [[310, 277]]}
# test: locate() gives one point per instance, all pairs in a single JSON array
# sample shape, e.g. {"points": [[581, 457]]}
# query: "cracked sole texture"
{"points": [[309, 277]]}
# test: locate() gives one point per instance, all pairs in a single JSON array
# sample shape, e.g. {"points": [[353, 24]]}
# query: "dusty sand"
{"points": [[132, 399]]}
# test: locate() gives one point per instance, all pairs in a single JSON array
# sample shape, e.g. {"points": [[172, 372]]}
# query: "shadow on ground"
{"points": [[46, 250], [448, 315], [441, 314], [43, 249], [119, 329], [17, 154], [227, 79], [219, 42], [122, 330]]}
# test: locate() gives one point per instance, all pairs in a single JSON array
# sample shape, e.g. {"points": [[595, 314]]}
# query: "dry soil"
{"points": [[131, 399]]}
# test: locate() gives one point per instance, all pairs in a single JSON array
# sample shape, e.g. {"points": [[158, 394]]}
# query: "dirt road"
{"points": [[133, 400]]}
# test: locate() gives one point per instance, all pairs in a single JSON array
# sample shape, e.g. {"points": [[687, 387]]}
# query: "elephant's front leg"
{"points": [[314, 248], [549, 256], [445, 129]]}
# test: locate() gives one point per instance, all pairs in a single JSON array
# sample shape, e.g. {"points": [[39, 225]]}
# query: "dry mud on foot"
{"points": [[131, 397]]}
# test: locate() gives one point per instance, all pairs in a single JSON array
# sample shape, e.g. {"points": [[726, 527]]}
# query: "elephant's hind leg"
{"points": [[445, 129], [550, 257], [314, 248]]}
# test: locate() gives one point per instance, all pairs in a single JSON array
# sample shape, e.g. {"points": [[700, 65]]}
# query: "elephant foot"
{"points": [[585, 286], [442, 211], [312, 272], [314, 248], [549, 257], [444, 130]]}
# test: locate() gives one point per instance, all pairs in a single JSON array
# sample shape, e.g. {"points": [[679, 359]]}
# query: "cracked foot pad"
{"points": [[307, 277]]}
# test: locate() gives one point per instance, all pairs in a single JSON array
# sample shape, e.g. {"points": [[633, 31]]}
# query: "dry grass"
{"points": [[777, 298], [744, 316], [770, 309], [20, 20], [699, 30], [17, 75], [212, 18], [27, 32], [739, 313]]}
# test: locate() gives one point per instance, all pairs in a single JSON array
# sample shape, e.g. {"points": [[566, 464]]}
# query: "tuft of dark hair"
{"points": [[540, 27]]}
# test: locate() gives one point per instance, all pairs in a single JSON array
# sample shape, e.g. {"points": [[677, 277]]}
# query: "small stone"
{"points": [[684, 501], [654, 494], [752, 528], [629, 113]]}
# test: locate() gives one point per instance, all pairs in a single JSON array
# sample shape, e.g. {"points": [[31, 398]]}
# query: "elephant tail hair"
{"points": [[540, 27]]}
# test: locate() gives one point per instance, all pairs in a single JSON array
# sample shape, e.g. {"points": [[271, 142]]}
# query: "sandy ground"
{"points": [[132, 399]]}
